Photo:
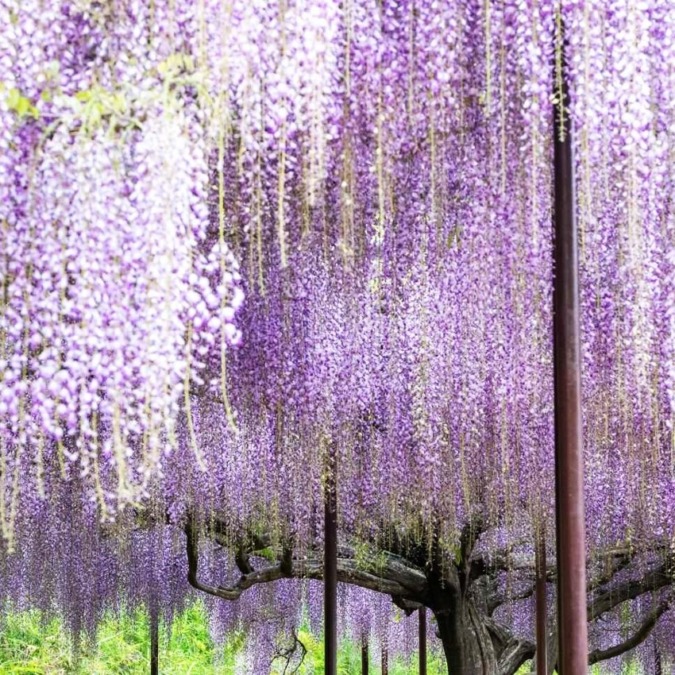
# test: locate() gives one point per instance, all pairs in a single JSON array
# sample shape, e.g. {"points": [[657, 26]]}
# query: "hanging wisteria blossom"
{"points": [[252, 250], [114, 295]]}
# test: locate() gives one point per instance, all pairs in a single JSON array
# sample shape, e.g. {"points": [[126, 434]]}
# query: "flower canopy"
{"points": [[239, 235]]}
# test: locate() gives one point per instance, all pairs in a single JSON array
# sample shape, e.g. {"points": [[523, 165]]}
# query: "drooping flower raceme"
{"points": [[114, 291], [382, 173]]}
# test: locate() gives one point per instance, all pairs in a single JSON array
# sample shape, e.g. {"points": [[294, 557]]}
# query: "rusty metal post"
{"points": [[423, 640], [330, 568], [569, 466], [658, 664], [154, 642], [541, 610], [364, 654]]}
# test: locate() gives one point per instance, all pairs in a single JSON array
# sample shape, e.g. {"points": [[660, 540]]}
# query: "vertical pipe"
{"points": [[154, 642], [569, 470], [541, 620], [364, 654], [385, 660], [330, 568], [658, 665], [423, 640]]}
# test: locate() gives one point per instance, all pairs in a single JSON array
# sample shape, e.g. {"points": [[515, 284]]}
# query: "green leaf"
{"points": [[21, 105], [267, 553]]}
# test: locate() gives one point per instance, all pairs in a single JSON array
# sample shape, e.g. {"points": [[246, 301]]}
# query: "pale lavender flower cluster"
{"points": [[114, 290]]}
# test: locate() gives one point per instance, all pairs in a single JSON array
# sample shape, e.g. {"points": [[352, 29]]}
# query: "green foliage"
{"points": [[30, 645], [368, 558], [121, 647], [95, 104], [176, 64], [349, 660], [268, 553], [18, 103]]}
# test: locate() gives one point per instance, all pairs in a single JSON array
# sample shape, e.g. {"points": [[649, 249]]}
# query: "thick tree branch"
{"points": [[515, 653], [498, 633], [512, 652], [296, 650], [267, 574], [243, 561], [499, 599], [637, 638], [602, 568], [391, 575], [612, 563], [411, 586], [408, 606], [467, 541], [506, 561], [606, 600]]}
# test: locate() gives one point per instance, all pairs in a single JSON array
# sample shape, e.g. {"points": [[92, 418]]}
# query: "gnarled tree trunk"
{"points": [[468, 647]]}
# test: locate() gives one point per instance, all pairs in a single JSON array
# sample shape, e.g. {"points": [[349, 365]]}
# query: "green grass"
{"points": [[349, 660], [31, 646]]}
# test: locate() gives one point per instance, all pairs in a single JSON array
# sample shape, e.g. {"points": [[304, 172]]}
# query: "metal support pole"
{"points": [[658, 664], [385, 660], [154, 642], [570, 525], [364, 654], [330, 568], [423, 640], [541, 621]]}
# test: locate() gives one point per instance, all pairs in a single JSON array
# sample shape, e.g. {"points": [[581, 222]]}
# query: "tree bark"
{"points": [[460, 595], [467, 645], [552, 650]]}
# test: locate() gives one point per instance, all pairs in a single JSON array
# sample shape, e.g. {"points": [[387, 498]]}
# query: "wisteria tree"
{"points": [[255, 253]]}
